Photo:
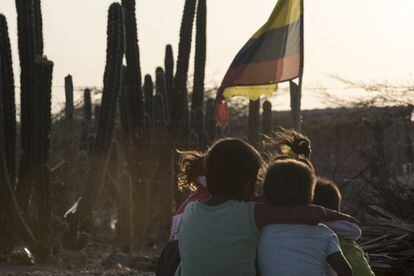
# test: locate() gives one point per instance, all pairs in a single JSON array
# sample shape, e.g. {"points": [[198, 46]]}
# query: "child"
{"points": [[296, 249], [219, 236], [328, 195], [191, 176]]}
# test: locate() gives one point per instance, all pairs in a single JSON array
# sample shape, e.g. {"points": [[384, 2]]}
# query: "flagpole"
{"points": [[298, 125]]}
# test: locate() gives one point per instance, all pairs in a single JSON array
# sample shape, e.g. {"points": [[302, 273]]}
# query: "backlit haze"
{"points": [[358, 40]]}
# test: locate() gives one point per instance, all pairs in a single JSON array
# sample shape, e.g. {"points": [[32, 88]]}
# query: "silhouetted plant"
{"points": [[267, 118], [43, 89], [38, 27], [200, 56], [169, 78], [180, 101], [12, 220], [27, 50], [148, 92], [161, 88], [69, 108], [253, 122], [133, 81], [7, 98], [101, 149]]}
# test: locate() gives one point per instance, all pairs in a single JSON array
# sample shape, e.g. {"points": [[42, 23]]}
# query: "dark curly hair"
{"points": [[191, 166], [288, 144]]}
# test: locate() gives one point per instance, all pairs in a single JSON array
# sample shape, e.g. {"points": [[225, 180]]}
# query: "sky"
{"points": [[362, 40]]}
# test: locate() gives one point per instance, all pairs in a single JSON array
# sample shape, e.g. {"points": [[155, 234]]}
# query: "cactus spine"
{"points": [[43, 92], [149, 93], [254, 122], [200, 56], [10, 211], [26, 41], [112, 87], [133, 81], [267, 118], [295, 101]]}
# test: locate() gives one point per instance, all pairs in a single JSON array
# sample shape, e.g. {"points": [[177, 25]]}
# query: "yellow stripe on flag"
{"points": [[286, 12], [252, 92]]}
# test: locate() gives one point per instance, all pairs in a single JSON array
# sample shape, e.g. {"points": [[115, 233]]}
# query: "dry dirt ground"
{"points": [[101, 257]]}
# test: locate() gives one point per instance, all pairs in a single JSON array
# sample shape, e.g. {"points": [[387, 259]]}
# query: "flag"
{"points": [[274, 54]]}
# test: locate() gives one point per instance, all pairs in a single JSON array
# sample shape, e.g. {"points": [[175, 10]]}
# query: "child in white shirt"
{"points": [[296, 249]]}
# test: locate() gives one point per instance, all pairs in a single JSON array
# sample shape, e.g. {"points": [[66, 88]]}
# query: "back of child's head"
{"points": [[289, 144], [289, 182], [327, 194], [231, 165], [191, 167]]}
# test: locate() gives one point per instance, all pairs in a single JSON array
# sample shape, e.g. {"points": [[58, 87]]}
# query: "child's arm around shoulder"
{"points": [[307, 214]]}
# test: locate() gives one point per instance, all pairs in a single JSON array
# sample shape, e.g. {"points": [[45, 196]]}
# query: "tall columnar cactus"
{"points": [[13, 224], [123, 110], [111, 91], [169, 77], [149, 93], [7, 98], [163, 154], [26, 41], [125, 222], [254, 122], [197, 121], [38, 27], [210, 121], [180, 102], [133, 81], [160, 87], [43, 89], [69, 108], [295, 102], [200, 56], [87, 105], [87, 119], [267, 118]]}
